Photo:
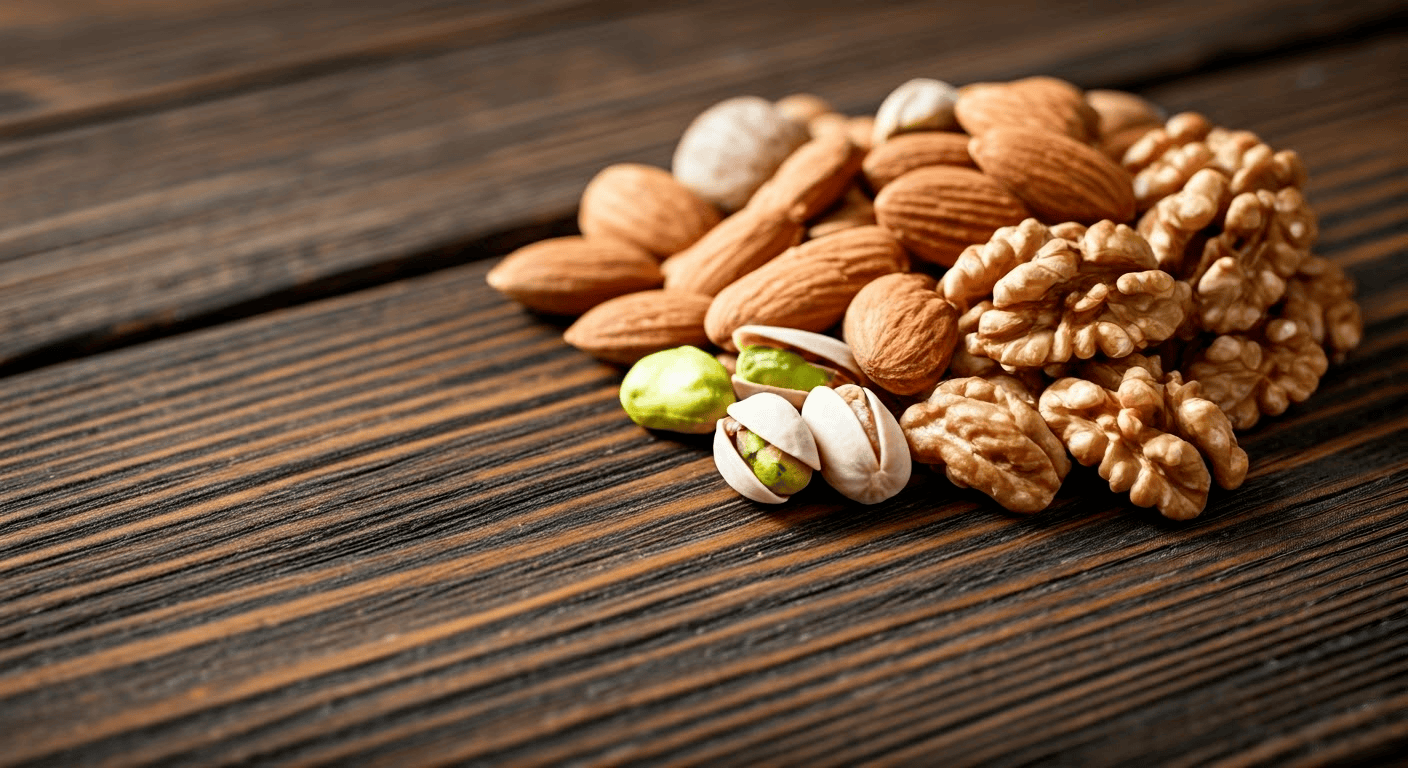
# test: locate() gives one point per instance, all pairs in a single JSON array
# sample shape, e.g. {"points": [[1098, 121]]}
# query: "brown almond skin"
{"points": [[645, 206], [570, 275], [808, 287], [1059, 178], [901, 332], [1046, 103], [738, 245], [812, 178], [936, 212], [908, 151], [625, 329]]}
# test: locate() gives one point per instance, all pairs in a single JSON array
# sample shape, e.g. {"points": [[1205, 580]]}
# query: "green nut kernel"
{"points": [[782, 473], [682, 389], [779, 368]]}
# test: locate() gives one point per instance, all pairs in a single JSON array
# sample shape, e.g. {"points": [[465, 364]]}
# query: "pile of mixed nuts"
{"points": [[1019, 273]]}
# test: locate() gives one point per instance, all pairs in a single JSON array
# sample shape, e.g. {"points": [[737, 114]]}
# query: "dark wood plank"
{"points": [[226, 207], [409, 525]]}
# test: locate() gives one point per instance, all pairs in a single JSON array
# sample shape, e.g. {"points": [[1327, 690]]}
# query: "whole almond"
{"points": [[738, 245], [901, 332], [907, 151], [627, 328], [809, 287], [937, 211], [811, 179], [569, 275], [645, 206], [1059, 178], [1033, 102]]}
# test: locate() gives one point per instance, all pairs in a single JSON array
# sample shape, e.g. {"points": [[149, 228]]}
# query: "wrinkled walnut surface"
{"points": [[1258, 373]]}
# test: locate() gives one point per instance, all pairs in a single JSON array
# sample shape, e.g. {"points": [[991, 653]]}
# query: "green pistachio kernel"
{"points": [[782, 473], [682, 389], [779, 368]]}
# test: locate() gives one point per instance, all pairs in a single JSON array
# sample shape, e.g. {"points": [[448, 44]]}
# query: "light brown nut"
{"points": [[1119, 110], [1320, 296], [811, 179], [786, 447], [859, 130], [863, 451], [802, 107], [921, 104], [627, 328], [1243, 270], [938, 211], [906, 152], [644, 206], [1165, 159], [1115, 145], [732, 148], [901, 332], [829, 124], [738, 245], [1059, 178], [808, 287], [1262, 372], [854, 209], [1252, 164], [987, 437], [570, 275], [981, 265], [1070, 299], [1041, 103], [1174, 221], [1146, 436]]}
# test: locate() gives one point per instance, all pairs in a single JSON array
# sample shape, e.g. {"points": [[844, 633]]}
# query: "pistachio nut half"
{"points": [[790, 362], [864, 454], [764, 450], [682, 390]]}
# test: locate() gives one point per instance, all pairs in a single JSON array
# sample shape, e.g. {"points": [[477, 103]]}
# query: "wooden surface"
{"points": [[406, 525]]}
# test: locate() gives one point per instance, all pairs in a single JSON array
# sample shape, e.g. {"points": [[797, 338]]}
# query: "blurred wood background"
{"points": [[282, 481]]}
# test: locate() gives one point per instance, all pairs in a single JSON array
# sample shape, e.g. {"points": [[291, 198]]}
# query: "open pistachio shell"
{"points": [[818, 349], [849, 461], [775, 421]]}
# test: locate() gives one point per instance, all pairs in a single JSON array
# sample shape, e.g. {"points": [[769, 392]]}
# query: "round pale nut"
{"points": [[906, 152], [1059, 178], [863, 451], [902, 332], [808, 287], [570, 275], [936, 212], [627, 328], [732, 148], [645, 206], [921, 104]]}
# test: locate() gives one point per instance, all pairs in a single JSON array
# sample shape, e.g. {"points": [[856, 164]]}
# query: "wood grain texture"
{"points": [[409, 526], [123, 228]]}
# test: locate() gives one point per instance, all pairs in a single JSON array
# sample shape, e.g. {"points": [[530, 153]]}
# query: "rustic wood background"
{"points": [[281, 480]]}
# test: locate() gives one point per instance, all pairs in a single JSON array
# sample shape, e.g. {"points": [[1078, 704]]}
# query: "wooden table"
{"points": [[282, 481]]}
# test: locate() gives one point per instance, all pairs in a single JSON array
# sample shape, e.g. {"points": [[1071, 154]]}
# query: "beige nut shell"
{"points": [[814, 347], [917, 105], [848, 461], [732, 148], [775, 420]]}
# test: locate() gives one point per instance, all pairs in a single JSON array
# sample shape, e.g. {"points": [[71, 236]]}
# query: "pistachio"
{"points": [[764, 450], [863, 451], [684, 389], [790, 362]]}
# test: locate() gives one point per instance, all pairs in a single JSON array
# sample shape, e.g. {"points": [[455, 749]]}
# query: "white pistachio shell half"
{"points": [[850, 463], [820, 349], [775, 420]]}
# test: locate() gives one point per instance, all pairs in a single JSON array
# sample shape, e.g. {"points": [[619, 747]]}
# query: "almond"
{"points": [[853, 210], [938, 211], [569, 275], [808, 287], [901, 332], [1033, 102], [811, 179], [645, 206], [802, 107], [627, 328], [907, 151], [1059, 178], [738, 245]]}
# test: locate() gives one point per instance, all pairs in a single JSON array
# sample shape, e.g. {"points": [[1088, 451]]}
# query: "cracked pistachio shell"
{"points": [[779, 424], [850, 463], [684, 389], [821, 351]]}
